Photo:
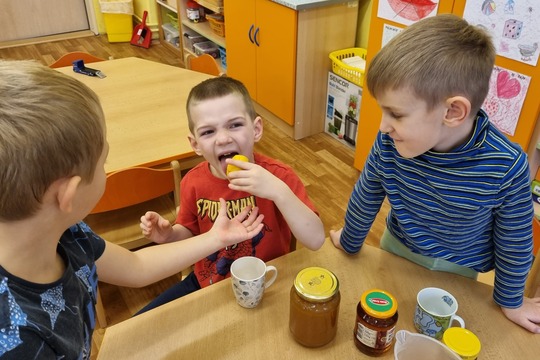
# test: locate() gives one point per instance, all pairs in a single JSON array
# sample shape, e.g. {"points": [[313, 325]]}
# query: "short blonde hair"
{"points": [[51, 126], [437, 58], [216, 88]]}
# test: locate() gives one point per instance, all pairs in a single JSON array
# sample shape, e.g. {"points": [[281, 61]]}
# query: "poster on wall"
{"points": [[513, 24], [389, 32], [407, 12], [507, 91]]}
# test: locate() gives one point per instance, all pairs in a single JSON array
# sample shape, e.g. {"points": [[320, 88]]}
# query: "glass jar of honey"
{"points": [[314, 307], [376, 318]]}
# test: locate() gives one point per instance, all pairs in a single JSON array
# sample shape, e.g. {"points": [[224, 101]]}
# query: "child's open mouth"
{"points": [[222, 159]]}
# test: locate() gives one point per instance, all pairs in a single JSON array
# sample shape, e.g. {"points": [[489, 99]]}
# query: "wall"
{"points": [[364, 17], [139, 6]]}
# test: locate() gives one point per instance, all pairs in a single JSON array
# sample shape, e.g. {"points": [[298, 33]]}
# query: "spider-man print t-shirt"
{"points": [[199, 206]]}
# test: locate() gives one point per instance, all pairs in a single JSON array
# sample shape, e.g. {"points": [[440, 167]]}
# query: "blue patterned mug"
{"points": [[435, 312]]}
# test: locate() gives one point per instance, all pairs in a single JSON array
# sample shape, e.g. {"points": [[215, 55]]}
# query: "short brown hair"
{"points": [[215, 88], [437, 58], [51, 126]]}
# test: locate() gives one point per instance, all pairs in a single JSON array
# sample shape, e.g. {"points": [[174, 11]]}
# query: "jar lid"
{"points": [[316, 284], [378, 303], [463, 342]]}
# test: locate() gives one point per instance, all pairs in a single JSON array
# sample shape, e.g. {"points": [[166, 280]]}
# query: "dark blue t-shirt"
{"points": [[56, 320]]}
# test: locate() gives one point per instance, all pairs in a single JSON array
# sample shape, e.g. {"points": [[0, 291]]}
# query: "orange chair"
{"points": [[129, 193], [204, 63], [69, 58]]}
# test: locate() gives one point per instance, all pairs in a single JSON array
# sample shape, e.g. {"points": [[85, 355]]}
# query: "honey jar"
{"points": [[314, 307], [376, 318]]}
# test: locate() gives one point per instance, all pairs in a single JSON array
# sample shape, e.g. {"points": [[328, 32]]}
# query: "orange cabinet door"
{"points": [[261, 52], [276, 58], [241, 49]]}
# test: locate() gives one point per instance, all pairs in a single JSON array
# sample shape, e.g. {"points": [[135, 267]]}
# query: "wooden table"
{"points": [[208, 324], [145, 110]]}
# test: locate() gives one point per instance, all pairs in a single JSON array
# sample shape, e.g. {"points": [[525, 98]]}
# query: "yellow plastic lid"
{"points": [[316, 284], [463, 342], [378, 303]]}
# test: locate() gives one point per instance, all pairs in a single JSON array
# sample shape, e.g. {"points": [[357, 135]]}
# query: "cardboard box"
{"points": [[342, 109]]}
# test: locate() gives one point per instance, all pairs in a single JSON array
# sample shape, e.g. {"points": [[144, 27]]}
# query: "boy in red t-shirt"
{"points": [[223, 123]]}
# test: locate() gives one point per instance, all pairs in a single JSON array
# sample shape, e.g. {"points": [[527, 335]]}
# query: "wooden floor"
{"points": [[323, 164]]}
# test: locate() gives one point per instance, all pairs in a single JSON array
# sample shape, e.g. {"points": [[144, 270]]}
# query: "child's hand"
{"points": [[155, 228], [335, 235], [243, 226], [527, 316], [255, 180]]}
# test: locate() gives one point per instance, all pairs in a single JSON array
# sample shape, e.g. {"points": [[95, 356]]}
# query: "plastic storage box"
{"points": [[191, 38], [341, 68], [171, 34], [207, 47], [223, 56], [117, 15]]}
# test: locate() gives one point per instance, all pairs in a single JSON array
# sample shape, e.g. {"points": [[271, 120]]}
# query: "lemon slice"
{"points": [[231, 168]]}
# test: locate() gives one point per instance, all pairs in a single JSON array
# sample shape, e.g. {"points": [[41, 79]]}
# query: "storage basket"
{"points": [[353, 74], [217, 23], [174, 19]]}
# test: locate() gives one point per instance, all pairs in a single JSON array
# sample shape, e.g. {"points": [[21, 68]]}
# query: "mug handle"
{"points": [[460, 320], [270, 281]]}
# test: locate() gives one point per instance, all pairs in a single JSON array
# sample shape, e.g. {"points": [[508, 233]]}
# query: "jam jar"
{"points": [[463, 342], [376, 318], [314, 307]]}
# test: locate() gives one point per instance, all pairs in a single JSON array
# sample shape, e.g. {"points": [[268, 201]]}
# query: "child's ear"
{"points": [[258, 128], [194, 144], [67, 189], [458, 109]]}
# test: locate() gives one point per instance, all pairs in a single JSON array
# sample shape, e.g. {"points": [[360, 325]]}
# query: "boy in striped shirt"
{"points": [[458, 188]]}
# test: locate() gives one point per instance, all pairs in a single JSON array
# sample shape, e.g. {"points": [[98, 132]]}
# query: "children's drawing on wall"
{"points": [[507, 91], [389, 32], [513, 24], [407, 12]]}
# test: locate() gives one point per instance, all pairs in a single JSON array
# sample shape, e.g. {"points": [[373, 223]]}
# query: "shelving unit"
{"points": [[202, 28], [177, 8], [167, 10]]}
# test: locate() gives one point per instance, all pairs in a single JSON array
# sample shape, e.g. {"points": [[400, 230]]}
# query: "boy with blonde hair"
{"points": [[52, 149], [223, 123], [458, 188]]}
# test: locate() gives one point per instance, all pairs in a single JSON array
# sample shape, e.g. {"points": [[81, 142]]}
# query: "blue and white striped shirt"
{"points": [[471, 206]]}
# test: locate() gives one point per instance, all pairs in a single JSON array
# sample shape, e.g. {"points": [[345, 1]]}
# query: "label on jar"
{"points": [[374, 339], [193, 14]]}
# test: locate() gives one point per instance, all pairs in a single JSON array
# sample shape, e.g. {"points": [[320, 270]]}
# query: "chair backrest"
{"points": [[204, 63], [136, 185], [69, 58]]}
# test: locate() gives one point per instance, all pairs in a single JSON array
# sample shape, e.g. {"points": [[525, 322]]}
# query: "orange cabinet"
{"points": [[261, 52], [281, 55]]}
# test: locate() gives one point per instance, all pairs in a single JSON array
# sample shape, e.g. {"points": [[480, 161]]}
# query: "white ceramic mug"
{"points": [[435, 312], [248, 278]]}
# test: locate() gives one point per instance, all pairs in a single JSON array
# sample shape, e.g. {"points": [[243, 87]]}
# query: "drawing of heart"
{"points": [[507, 88], [413, 10]]}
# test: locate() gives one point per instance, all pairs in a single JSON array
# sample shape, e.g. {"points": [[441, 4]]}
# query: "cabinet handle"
{"points": [[255, 37], [249, 33]]}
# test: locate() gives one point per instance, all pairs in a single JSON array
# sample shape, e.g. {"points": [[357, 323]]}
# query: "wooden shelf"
{"points": [[165, 4], [204, 29], [211, 6]]}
